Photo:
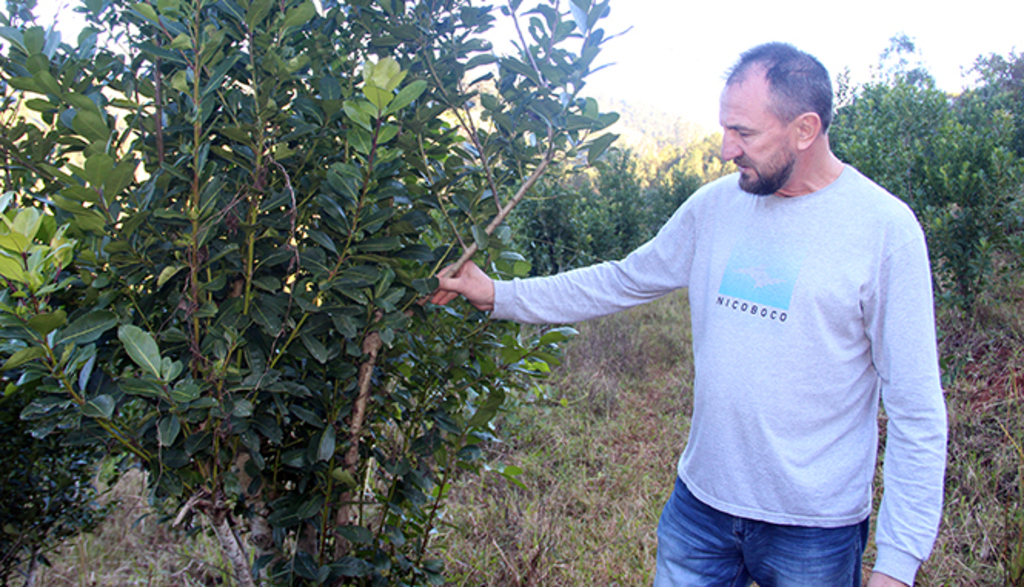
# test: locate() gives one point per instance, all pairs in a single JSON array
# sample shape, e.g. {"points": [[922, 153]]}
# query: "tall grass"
{"points": [[981, 541], [599, 452], [598, 448]]}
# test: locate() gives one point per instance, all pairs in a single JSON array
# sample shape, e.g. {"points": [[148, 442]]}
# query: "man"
{"points": [[810, 295]]}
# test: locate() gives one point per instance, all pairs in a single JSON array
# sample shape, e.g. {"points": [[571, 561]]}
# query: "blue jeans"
{"points": [[699, 546]]}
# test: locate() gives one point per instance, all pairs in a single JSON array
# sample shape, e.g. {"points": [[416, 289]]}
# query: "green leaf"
{"points": [[315, 348], [141, 387], [330, 88], [10, 268], [377, 96], [357, 114], [90, 126], [198, 441], [325, 449], [185, 391], [141, 347], [167, 273], [99, 407], [39, 105], [47, 83], [360, 140], [90, 220], [182, 42], [310, 508], [487, 411], [25, 84], [27, 223], [387, 132], [218, 75], [598, 146], [300, 15], [242, 409], [257, 11], [305, 566], [146, 11], [23, 356], [579, 16], [480, 236], [340, 474], [170, 369], [121, 177], [323, 240], [385, 74], [46, 323], [167, 430], [556, 335], [349, 566], [80, 194], [380, 245], [98, 168], [14, 36], [307, 416], [81, 102]]}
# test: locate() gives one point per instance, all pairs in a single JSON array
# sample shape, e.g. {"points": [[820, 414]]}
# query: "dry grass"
{"points": [[600, 465], [598, 451], [132, 548], [981, 541]]}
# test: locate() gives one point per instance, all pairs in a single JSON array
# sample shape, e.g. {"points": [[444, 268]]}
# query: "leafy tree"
{"points": [[549, 228], [615, 214], [1001, 87], [950, 160], [252, 200]]}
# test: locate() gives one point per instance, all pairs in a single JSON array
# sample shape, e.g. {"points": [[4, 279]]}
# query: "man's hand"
{"points": [[470, 281], [881, 580]]}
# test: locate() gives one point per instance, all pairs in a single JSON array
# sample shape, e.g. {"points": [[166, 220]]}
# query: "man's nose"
{"points": [[730, 150]]}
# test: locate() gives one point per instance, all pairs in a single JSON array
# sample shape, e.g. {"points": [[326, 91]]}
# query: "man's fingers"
{"points": [[443, 297]]}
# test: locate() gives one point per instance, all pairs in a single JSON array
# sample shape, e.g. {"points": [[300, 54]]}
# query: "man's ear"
{"points": [[808, 128]]}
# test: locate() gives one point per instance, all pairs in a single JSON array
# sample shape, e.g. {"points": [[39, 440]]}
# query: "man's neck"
{"points": [[815, 170]]}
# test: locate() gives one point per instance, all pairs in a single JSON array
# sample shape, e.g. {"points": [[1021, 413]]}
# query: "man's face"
{"points": [[754, 138]]}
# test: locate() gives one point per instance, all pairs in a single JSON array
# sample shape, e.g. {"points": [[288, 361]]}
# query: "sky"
{"points": [[675, 55], [672, 54]]}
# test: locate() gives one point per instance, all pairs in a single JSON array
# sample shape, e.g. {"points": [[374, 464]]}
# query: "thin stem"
{"points": [[504, 212]]}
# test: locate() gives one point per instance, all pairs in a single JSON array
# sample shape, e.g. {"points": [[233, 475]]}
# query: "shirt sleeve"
{"points": [[900, 322], [654, 269]]}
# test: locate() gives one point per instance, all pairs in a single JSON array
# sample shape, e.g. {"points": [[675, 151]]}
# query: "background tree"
{"points": [[951, 159], [615, 207]]}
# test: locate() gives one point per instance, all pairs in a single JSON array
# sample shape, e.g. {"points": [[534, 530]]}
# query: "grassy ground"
{"points": [[132, 549], [599, 468], [598, 446], [598, 449]]}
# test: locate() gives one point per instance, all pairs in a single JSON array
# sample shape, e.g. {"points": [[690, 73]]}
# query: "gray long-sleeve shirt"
{"points": [[805, 311]]}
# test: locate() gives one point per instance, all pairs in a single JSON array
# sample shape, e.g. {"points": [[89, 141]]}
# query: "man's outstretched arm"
{"points": [[470, 281]]}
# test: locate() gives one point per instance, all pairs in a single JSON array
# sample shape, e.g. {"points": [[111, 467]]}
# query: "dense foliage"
{"points": [[46, 493], [618, 205], [954, 160], [221, 220]]}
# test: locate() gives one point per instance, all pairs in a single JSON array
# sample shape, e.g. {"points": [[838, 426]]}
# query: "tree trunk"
{"points": [[232, 549]]}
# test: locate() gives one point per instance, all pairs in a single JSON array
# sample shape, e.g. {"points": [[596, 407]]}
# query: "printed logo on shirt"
{"points": [[760, 277]]}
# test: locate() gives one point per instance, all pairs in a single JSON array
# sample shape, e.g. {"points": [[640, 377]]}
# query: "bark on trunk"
{"points": [[233, 550]]}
